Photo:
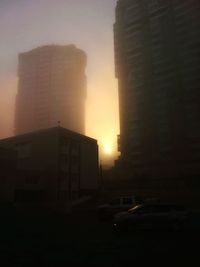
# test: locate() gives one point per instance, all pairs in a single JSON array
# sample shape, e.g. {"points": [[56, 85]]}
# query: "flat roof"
{"points": [[52, 47], [49, 130]]}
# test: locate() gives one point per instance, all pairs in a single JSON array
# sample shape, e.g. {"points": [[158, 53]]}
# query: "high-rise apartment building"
{"points": [[51, 89], [157, 58]]}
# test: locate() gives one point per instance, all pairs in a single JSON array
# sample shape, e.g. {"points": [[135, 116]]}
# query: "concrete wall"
{"points": [[89, 167], [40, 170], [7, 174]]}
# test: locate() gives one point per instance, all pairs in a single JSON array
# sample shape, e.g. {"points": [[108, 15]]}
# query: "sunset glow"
{"points": [[102, 110], [91, 30], [107, 149]]}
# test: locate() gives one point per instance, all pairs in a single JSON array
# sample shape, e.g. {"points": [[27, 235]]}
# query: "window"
{"points": [[32, 179], [74, 195], [75, 167], [136, 153], [155, 27], [132, 15], [134, 5], [64, 162], [24, 150], [154, 5], [135, 142], [127, 201], [142, 209], [28, 195], [75, 149], [63, 195], [74, 177], [65, 146]]}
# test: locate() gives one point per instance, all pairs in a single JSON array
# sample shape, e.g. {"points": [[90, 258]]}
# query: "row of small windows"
{"points": [[134, 27], [133, 5], [135, 35], [187, 54], [132, 15], [152, 5], [44, 70]]}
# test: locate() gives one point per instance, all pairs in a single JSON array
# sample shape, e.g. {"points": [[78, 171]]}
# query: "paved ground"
{"points": [[79, 239]]}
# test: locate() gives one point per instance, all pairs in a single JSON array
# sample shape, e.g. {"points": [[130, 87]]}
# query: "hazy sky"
{"points": [[26, 24]]}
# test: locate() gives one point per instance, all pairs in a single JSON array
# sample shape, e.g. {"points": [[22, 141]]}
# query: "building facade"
{"points": [[157, 59], [8, 172], [51, 89], [54, 166]]}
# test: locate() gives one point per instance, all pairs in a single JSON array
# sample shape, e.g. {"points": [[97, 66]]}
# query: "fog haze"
{"points": [[25, 25]]}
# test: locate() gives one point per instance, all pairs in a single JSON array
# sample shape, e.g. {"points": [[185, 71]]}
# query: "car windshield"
{"points": [[135, 208], [155, 208]]}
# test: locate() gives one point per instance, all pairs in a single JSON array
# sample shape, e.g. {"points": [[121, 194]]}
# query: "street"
{"points": [[79, 239]]}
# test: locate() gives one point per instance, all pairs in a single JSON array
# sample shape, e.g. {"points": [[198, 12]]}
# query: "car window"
{"points": [[134, 209], [138, 199], [155, 208], [140, 209], [127, 201], [144, 209]]}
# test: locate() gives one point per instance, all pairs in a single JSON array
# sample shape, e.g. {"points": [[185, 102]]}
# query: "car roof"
{"points": [[169, 205]]}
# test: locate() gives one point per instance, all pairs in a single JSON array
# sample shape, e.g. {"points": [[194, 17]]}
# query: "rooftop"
{"points": [[57, 129]]}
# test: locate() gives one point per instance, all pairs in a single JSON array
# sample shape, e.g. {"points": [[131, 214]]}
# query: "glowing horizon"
{"points": [[101, 121], [101, 110]]}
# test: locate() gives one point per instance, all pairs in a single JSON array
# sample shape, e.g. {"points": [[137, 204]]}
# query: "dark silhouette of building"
{"points": [[8, 171], [54, 166], [157, 58], [51, 89]]}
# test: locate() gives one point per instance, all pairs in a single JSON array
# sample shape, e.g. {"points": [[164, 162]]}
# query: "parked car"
{"points": [[151, 216], [116, 205]]}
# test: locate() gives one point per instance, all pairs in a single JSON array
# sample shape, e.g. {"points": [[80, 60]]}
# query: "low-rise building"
{"points": [[54, 166], [8, 173]]}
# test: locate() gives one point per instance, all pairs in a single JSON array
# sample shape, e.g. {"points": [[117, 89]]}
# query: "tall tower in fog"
{"points": [[157, 59], [51, 89]]}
